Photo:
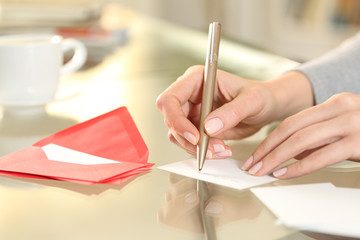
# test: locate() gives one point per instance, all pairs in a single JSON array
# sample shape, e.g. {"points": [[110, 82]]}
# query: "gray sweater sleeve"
{"points": [[335, 72]]}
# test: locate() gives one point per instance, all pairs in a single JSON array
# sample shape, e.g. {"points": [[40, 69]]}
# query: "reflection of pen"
{"points": [[208, 88], [207, 221]]}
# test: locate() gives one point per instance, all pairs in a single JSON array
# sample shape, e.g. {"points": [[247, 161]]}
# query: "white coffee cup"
{"points": [[31, 66]]}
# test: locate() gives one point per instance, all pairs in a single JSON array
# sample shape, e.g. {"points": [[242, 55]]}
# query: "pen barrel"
{"points": [[208, 90], [206, 107], [209, 86]]}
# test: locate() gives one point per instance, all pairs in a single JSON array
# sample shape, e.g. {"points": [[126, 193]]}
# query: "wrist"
{"points": [[292, 93]]}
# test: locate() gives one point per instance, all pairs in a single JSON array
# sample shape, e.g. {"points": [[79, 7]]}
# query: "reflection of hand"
{"points": [[318, 136], [181, 209], [225, 207], [242, 107]]}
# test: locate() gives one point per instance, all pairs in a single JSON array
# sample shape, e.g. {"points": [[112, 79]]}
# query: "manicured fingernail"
{"points": [[280, 172], [213, 125], [214, 207], [247, 163], [190, 198], [255, 168], [190, 137], [218, 148], [226, 153]]}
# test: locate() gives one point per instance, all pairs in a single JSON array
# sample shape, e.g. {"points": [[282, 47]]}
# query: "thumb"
{"points": [[245, 105]]}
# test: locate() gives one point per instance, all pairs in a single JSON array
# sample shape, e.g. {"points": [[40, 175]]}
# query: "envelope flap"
{"points": [[113, 135]]}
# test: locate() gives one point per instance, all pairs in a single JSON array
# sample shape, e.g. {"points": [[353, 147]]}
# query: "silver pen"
{"points": [[208, 88]]}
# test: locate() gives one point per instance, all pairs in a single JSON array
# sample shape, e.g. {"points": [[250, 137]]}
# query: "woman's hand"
{"points": [[318, 136], [241, 106]]}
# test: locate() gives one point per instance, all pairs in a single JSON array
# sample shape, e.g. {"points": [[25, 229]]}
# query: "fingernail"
{"points": [[213, 125], [190, 137], [218, 148], [255, 168], [226, 153], [280, 172], [214, 207], [247, 163], [190, 198]]}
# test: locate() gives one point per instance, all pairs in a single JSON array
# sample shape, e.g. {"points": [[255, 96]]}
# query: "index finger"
{"points": [[187, 89]]}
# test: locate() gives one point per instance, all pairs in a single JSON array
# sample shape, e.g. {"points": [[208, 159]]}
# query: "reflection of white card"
{"points": [[62, 154], [225, 172], [318, 207]]}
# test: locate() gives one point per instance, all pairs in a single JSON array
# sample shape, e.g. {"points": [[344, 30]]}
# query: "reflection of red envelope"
{"points": [[106, 149]]}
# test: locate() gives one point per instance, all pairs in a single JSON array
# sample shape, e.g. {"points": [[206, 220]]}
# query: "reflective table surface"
{"points": [[157, 204]]}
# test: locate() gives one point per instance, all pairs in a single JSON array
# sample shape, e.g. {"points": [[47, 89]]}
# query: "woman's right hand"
{"points": [[241, 106]]}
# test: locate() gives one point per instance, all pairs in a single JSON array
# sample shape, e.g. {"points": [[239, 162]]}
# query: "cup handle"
{"points": [[79, 58]]}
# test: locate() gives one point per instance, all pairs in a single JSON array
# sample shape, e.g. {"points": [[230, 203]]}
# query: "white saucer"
{"points": [[64, 92], [35, 109]]}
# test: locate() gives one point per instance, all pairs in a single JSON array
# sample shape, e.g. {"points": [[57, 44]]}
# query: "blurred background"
{"points": [[295, 29]]}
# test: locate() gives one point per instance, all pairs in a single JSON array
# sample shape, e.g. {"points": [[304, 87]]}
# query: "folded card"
{"points": [[319, 207], [225, 172], [106, 149]]}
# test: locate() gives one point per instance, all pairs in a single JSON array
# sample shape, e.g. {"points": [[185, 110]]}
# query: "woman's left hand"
{"points": [[318, 136]]}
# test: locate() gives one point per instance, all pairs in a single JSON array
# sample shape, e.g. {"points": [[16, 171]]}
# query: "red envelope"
{"points": [[111, 140]]}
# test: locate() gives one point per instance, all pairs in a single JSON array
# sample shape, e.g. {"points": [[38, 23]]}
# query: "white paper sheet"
{"points": [[62, 154], [319, 207], [225, 172]]}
